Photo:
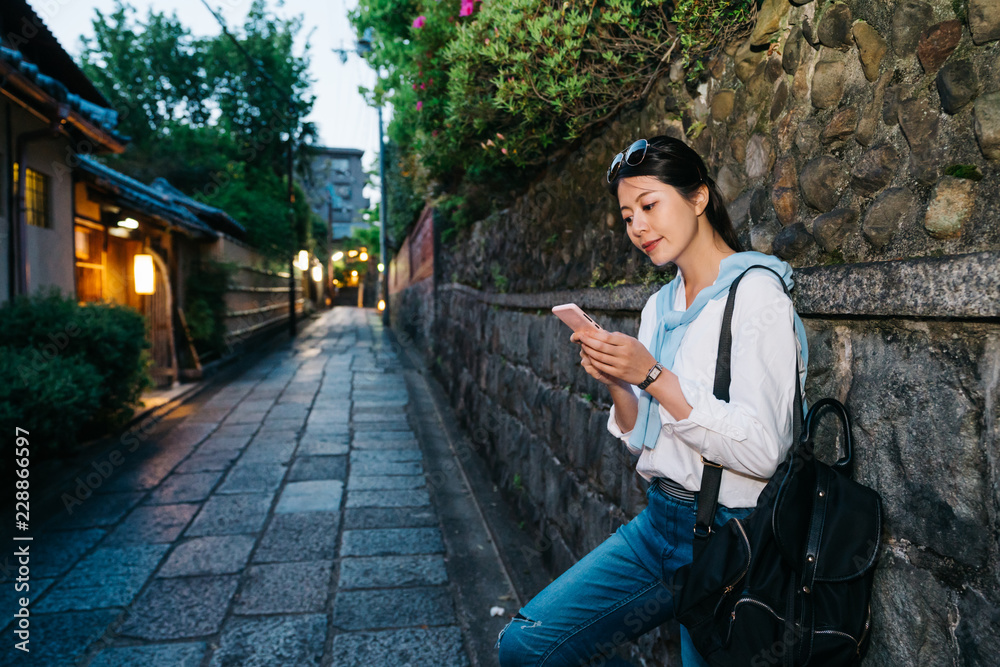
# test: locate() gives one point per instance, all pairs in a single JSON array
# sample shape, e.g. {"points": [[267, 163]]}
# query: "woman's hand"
{"points": [[617, 357]]}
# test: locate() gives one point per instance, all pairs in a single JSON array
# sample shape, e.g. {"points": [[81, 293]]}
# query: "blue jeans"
{"points": [[619, 591]]}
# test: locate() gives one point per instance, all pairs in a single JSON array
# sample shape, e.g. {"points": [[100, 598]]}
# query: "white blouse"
{"points": [[750, 435]]}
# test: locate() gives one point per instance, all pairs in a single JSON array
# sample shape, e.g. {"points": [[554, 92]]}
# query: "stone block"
{"points": [[828, 81], [176, 655], [987, 125], [396, 608], [791, 241], [226, 554], [909, 20], [253, 477], [841, 126], [383, 467], [299, 537], [791, 54], [871, 48], [93, 511], [388, 482], [180, 608], [401, 648], [769, 18], [268, 451], [984, 20], [392, 571], [208, 462], [358, 518], [60, 639], [389, 498], [920, 123], [152, 524], [890, 211], [760, 157], [312, 496], [785, 193], [392, 541], [834, 28], [231, 515], [957, 85], [937, 43], [307, 468], [830, 229], [950, 207], [822, 180], [874, 170], [59, 551], [278, 640], [285, 588], [722, 105]]}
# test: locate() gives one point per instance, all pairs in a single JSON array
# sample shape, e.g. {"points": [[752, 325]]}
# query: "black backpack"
{"points": [[789, 584]]}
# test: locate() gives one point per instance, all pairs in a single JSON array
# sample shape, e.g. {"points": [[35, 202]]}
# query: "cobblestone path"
{"points": [[284, 521]]}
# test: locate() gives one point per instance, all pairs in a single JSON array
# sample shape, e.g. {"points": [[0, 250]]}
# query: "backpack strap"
{"points": [[711, 477]]}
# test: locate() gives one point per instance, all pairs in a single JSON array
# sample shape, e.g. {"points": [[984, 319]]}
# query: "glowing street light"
{"points": [[363, 257], [303, 261], [129, 223], [352, 253], [381, 267], [337, 256], [144, 282], [317, 273]]}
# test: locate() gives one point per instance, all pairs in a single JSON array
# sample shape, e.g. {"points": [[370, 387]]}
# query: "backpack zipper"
{"points": [[730, 587], [732, 615]]}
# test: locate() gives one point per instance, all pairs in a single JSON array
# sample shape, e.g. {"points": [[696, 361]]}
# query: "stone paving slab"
{"points": [[386, 455], [97, 510], [315, 445], [409, 647], [307, 468], [208, 461], [59, 639], [384, 425], [175, 655], [389, 571], [368, 468], [231, 515], [152, 524], [184, 488], [312, 496], [234, 430], [389, 482], [389, 498], [274, 451], [180, 608], [223, 554], [281, 588], [393, 608], [391, 541], [59, 551], [266, 642], [250, 477], [223, 443], [110, 577], [361, 518], [362, 442]]}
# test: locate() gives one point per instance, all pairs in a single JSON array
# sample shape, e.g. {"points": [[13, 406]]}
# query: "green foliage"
{"points": [[203, 117], [98, 351], [499, 279], [489, 98], [969, 171], [206, 306]]}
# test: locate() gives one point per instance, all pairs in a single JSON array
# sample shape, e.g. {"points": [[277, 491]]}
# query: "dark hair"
{"points": [[674, 163]]}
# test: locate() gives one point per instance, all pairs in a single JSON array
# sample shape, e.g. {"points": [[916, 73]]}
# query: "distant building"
{"points": [[334, 185]]}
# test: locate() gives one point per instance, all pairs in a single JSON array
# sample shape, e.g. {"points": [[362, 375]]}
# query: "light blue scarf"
{"points": [[674, 323]]}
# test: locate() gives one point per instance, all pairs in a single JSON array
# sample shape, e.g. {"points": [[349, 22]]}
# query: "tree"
{"points": [[212, 116]]}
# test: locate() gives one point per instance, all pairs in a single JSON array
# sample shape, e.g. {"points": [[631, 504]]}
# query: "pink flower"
{"points": [[499, 136], [503, 150], [421, 86], [434, 133], [420, 105], [414, 86], [419, 22], [467, 8]]}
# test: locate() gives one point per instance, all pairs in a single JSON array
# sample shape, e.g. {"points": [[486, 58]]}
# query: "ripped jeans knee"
{"points": [[515, 646]]}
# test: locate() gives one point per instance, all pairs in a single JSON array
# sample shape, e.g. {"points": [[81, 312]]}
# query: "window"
{"points": [[344, 192], [37, 201], [341, 164]]}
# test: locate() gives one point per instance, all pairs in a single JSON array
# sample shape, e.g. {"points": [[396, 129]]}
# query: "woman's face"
{"points": [[660, 221]]}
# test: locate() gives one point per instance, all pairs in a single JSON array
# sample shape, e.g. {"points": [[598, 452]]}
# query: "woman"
{"points": [[664, 409]]}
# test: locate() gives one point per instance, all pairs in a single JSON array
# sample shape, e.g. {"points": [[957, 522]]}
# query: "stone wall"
{"points": [[858, 141]]}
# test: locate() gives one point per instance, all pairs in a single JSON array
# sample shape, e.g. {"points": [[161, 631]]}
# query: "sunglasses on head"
{"points": [[631, 156]]}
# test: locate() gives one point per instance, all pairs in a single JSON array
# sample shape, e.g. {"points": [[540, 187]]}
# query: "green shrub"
{"points": [[61, 337], [206, 306], [50, 397]]}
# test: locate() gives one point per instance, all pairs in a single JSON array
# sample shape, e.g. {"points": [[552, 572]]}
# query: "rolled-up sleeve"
{"points": [[618, 433], [752, 432]]}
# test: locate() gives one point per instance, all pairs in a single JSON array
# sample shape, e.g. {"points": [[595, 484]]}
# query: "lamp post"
{"points": [[364, 46]]}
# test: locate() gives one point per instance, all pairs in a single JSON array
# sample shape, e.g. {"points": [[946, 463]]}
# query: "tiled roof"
{"points": [[140, 197]]}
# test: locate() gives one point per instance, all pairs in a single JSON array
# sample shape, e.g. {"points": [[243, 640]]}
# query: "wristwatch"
{"points": [[653, 373]]}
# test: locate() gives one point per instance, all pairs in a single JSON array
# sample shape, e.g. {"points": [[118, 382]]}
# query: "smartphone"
{"points": [[575, 318]]}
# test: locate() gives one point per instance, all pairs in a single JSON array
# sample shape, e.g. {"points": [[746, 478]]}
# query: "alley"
{"points": [[289, 517]]}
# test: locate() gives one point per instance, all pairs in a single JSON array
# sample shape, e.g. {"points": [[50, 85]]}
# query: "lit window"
{"points": [[37, 200]]}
